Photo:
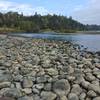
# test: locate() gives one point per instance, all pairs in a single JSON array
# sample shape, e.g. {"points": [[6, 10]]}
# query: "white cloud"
{"points": [[27, 9], [89, 14]]}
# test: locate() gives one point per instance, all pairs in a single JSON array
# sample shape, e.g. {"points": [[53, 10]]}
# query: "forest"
{"points": [[14, 22]]}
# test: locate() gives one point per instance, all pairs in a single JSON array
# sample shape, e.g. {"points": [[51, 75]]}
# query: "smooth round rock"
{"points": [[48, 95], [97, 98], [27, 83], [73, 96], [61, 87]]}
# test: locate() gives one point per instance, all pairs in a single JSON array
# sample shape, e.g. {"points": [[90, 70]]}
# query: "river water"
{"points": [[89, 41]]}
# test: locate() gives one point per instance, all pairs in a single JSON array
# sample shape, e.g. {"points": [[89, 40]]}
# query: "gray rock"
{"points": [[73, 96], [89, 77], [85, 84], [27, 83], [62, 98], [36, 60], [5, 84], [38, 86], [26, 98], [18, 85], [35, 91], [18, 78], [5, 77], [76, 89], [70, 70], [94, 88], [6, 98], [96, 71], [47, 86], [72, 60], [61, 87], [97, 98], [27, 90], [15, 93], [87, 98], [82, 96], [46, 63], [28, 65], [36, 97], [95, 82], [3, 90], [7, 64], [79, 76], [51, 71], [41, 79], [91, 94], [97, 65], [71, 78], [96, 60], [25, 71], [48, 95]]}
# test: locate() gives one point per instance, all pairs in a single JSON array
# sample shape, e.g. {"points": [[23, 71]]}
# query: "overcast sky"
{"points": [[85, 11]]}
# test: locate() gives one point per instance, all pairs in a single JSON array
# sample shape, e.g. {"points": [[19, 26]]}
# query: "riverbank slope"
{"points": [[37, 69]]}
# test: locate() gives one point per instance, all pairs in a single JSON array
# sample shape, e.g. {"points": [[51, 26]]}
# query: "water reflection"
{"points": [[91, 41]]}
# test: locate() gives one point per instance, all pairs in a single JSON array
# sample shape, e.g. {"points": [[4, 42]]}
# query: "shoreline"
{"points": [[39, 69]]}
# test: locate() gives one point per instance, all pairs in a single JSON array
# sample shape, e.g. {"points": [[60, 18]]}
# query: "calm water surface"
{"points": [[90, 41]]}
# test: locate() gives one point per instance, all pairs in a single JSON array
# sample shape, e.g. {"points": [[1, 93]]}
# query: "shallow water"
{"points": [[90, 41]]}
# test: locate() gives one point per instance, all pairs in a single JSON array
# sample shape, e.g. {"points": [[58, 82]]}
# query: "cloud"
{"points": [[89, 14], [27, 9]]}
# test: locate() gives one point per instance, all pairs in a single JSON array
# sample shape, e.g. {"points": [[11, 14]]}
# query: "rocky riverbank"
{"points": [[35, 69]]}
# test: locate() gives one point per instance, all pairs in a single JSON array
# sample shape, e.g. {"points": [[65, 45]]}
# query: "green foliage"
{"points": [[37, 23]]}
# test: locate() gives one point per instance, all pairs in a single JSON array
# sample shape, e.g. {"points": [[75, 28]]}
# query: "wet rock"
{"points": [[61, 87]]}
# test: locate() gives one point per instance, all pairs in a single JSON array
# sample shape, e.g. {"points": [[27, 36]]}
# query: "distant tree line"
{"points": [[38, 23]]}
